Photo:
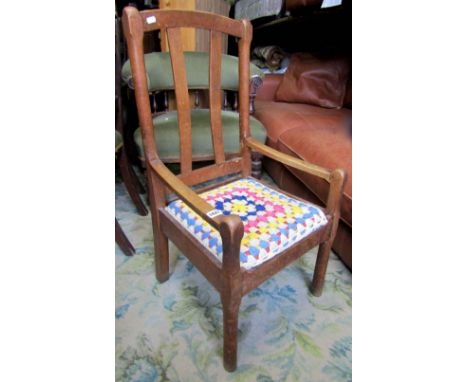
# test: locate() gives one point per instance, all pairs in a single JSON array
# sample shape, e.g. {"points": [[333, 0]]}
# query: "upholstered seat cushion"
{"points": [[166, 134], [159, 71], [272, 221]]}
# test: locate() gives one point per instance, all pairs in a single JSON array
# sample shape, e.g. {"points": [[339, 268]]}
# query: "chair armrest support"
{"points": [[335, 195], [184, 192], [230, 227]]}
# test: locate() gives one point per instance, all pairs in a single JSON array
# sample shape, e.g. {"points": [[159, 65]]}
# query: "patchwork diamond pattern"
{"points": [[272, 221]]}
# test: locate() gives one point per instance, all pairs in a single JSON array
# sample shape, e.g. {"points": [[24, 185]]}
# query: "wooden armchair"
{"points": [[240, 232]]}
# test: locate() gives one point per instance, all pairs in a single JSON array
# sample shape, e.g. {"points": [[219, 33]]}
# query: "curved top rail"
{"points": [[173, 18]]}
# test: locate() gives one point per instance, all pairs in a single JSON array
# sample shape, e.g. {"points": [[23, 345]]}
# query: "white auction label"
{"points": [[214, 213], [150, 19]]}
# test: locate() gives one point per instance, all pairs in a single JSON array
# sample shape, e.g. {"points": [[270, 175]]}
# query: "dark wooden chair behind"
{"points": [[227, 276], [129, 177]]}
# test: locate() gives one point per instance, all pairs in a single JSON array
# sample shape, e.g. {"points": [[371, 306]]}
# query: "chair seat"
{"points": [[166, 134], [272, 221]]}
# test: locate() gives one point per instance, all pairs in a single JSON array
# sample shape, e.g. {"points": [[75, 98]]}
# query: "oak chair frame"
{"points": [[227, 277]]}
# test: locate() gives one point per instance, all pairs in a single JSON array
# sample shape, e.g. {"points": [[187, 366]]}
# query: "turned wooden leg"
{"points": [[122, 240], [256, 165], [230, 319], [161, 244], [130, 184], [136, 180], [321, 264], [133, 177]]}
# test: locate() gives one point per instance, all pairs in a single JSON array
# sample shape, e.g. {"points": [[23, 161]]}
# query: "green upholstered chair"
{"points": [[160, 79]]}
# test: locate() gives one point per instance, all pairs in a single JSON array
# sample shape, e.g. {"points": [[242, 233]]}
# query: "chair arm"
{"points": [[192, 199], [230, 227], [289, 160], [336, 177]]}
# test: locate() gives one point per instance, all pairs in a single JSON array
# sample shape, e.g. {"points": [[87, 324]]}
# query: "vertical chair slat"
{"points": [[244, 75], [215, 95], [182, 98], [163, 39]]}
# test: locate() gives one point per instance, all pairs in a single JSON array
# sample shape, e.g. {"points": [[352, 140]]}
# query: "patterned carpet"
{"points": [[173, 331]]}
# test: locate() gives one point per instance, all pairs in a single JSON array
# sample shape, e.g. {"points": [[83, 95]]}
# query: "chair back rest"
{"points": [[170, 22]]}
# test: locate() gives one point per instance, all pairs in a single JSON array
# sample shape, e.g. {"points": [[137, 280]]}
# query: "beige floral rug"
{"points": [[173, 331]]}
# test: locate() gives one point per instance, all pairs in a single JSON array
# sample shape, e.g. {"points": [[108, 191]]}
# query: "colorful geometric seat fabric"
{"points": [[272, 221]]}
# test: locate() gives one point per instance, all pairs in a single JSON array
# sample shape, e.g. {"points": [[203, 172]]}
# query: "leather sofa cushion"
{"points": [[314, 81], [279, 117], [159, 71], [166, 134], [326, 147], [270, 84]]}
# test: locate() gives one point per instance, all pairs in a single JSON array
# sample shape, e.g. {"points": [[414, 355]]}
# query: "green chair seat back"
{"points": [[159, 71], [118, 141], [166, 134]]}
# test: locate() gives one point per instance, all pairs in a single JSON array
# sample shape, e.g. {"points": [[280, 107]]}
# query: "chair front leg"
{"points": [[161, 244], [316, 287], [231, 303], [335, 194], [231, 230]]}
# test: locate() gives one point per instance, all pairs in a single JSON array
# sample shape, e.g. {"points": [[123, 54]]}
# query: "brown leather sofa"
{"points": [[316, 134]]}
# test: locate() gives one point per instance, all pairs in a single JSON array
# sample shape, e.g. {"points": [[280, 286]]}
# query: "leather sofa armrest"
{"points": [[267, 91]]}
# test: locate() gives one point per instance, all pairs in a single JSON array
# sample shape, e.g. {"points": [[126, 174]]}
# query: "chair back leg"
{"points": [[132, 187], [122, 240]]}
